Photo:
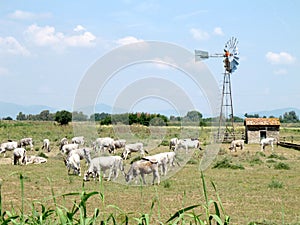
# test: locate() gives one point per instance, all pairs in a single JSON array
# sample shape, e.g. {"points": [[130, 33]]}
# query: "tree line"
{"points": [[147, 119]]}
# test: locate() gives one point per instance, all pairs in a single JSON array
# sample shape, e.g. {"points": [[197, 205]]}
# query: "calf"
{"points": [[103, 163], [237, 143], [142, 167], [19, 154]]}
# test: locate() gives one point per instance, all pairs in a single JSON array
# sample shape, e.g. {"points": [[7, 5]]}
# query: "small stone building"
{"points": [[258, 128]]}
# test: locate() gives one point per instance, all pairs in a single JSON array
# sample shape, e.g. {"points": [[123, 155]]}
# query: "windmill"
{"points": [[231, 61]]}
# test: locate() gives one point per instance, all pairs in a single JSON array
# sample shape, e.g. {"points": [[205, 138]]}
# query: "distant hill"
{"points": [[12, 110], [275, 112]]}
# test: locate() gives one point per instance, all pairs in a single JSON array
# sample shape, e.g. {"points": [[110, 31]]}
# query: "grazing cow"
{"points": [[46, 145], [26, 141], [267, 141], [73, 162], [163, 159], [188, 143], [120, 143], [63, 141], [8, 146], [104, 143], [237, 143], [142, 167], [84, 153], [35, 160], [103, 163], [19, 154], [69, 147], [136, 147], [78, 140], [173, 143]]}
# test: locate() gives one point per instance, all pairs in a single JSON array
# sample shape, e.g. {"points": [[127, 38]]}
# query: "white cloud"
{"points": [[199, 34], [11, 46], [48, 36], [79, 28], [280, 58], [23, 15], [218, 31], [128, 40]]}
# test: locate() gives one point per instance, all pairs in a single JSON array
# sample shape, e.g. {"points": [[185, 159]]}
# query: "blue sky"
{"points": [[46, 47]]}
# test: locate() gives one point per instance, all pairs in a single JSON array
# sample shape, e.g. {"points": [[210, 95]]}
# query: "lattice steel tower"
{"points": [[231, 61]]}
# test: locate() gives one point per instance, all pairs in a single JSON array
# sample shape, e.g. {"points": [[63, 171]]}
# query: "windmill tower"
{"points": [[231, 61]]}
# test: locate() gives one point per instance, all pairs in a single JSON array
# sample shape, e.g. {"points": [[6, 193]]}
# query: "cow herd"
{"points": [[102, 156]]}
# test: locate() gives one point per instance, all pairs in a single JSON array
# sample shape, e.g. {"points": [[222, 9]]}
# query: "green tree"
{"points": [[79, 116], [289, 117], [63, 117], [194, 116], [21, 116]]}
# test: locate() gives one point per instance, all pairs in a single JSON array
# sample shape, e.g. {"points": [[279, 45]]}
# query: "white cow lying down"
{"points": [[103, 163], [237, 143], [142, 167], [267, 141], [35, 159]]}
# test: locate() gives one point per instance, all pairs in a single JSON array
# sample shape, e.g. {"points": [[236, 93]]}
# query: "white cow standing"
{"points": [[187, 144], [267, 141], [8, 146], [143, 167], [46, 145], [173, 143], [237, 143], [103, 144], [63, 141], [78, 140], [19, 155], [25, 142], [136, 147], [73, 162], [163, 159], [103, 163]]}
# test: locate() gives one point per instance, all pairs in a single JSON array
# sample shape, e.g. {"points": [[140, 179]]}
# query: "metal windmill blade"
{"points": [[232, 54]]}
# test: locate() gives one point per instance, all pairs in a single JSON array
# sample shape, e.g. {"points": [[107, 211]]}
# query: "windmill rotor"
{"points": [[231, 55]]}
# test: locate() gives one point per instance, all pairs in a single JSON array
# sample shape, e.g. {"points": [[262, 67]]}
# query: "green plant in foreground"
{"points": [[275, 184], [78, 214]]}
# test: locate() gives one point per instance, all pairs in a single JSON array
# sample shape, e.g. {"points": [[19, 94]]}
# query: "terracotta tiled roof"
{"points": [[262, 121]]}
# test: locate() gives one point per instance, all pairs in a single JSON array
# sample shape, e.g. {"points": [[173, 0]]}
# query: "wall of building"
{"points": [[253, 137]]}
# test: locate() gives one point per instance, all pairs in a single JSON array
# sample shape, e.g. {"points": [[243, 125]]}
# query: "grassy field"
{"points": [[254, 186]]}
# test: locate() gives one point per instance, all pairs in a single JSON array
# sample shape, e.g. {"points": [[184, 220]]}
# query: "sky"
{"points": [[47, 48]]}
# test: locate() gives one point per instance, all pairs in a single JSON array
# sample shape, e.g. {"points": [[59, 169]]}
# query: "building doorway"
{"points": [[263, 134]]}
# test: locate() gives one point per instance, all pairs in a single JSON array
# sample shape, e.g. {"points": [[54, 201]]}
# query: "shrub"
{"points": [[275, 184], [226, 163], [275, 156], [281, 166]]}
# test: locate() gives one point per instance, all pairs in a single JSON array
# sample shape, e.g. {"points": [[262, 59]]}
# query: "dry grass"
{"points": [[245, 194]]}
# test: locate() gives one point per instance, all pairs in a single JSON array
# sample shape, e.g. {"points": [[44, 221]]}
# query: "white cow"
{"points": [[8, 146], [173, 143], [25, 142], [120, 143], [35, 159], [63, 141], [100, 164], [237, 143], [46, 145], [73, 162], [142, 167], [78, 140], [267, 141], [136, 147], [188, 143], [19, 154], [163, 159], [103, 144], [69, 147], [84, 153]]}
